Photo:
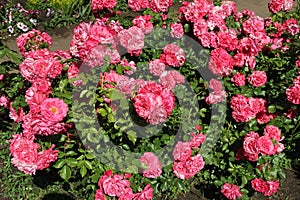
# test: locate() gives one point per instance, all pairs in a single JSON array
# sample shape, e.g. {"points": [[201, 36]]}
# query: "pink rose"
{"points": [[220, 62], [266, 146], [293, 94], [267, 188], [115, 185], [214, 98], [177, 30], [196, 139], [144, 23], [182, 151], [4, 101], [188, 168], [250, 146], [257, 78], [160, 5], [153, 102], [231, 191], [98, 5], [169, 79], [146, 194], [272, 131], [54, 109], [215, 85], [154, 166], [275, 5], [238, 79], [132, 39], [156, 67], [99, 195], [137, 5], [173, 55]]}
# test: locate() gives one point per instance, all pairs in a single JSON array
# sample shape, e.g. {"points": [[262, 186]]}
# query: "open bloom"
{"points": [[54, 109], [231, 191]]}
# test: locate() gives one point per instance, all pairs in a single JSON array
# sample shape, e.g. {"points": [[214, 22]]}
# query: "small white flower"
{"points": [[22, 26], [33, 21], [10, 29]]}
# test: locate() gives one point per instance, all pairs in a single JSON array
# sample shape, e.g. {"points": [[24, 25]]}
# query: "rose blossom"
{"points": [[267, 188], [4, 101], [173, 55], [231, 191], [188, 168], [214, 98], [266, 146], [293, 94], [115, 185], [132, 39], [177, 30], [160, 5], [220, 62], [144, 23], [54, 109], [146, 194], [238, 79], [137, 5], [98, 5], [153, 102], [14, 115], [257, 78], [250, 146], [99, 195], [26, 156], [154, 166], [291, 26], [196, 139], [275, 5], [272, 131], [169, 79], [182, 151], [215, 85], [156, 67]]}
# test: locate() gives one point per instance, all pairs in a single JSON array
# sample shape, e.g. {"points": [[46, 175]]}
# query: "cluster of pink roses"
{"points": [[115, 185], [280, 5], [186, 165], [46, 113], [154, 5], [244, 109], [153, 102], [268, 144], [98, 5], [293, 94], [33, 40], [267, 188]]}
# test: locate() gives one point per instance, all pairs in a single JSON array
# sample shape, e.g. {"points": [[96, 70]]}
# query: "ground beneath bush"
{"points": [[290, 187]]}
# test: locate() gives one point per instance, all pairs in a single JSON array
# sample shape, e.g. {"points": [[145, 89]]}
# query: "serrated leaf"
{"points": [[65, 173]]}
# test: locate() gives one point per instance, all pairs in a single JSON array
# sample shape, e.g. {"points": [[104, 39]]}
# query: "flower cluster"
{"points": [[154, 168], [267, 188], [115, 185], [268, 144], [153, 102], [46, 114], [155, 6], [33, 40], [98, 5], [186, 165], [292, 92]]}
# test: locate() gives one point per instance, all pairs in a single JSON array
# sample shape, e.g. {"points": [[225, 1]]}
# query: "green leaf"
{"points": [[59, 164], [65, 173], [244, 181], [271, 109], [88, 164], [83, 171], [102, 112], [2, 53], [132, 136], [72, 162]]}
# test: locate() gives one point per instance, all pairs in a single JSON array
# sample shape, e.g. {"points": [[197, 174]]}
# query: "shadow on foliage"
{"points": [[57, 196]]}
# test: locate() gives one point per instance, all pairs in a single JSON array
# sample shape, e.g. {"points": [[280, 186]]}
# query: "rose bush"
{"points": [[147, 107]]}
